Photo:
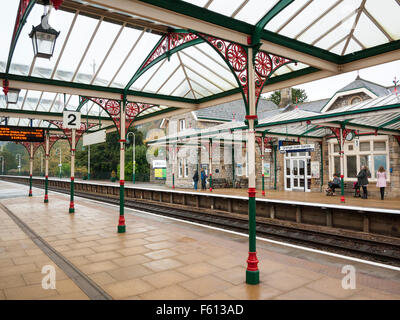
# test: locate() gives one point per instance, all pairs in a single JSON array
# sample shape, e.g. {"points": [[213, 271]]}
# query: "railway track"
{"points": [[370, 250]]}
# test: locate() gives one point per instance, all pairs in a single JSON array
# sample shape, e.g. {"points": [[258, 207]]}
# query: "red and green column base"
{"points": [[263, 185], [121, 222], [211, 182], [46, 189], [173, 181], [30, 185], [252, 272], [71, 203], [342, 189]]}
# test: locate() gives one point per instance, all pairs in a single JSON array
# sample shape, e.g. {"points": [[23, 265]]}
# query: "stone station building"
{"points": [[304, 170]]}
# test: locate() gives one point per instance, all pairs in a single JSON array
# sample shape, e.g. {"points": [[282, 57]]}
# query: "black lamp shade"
{"points": [[43, 40], [12, 95]]}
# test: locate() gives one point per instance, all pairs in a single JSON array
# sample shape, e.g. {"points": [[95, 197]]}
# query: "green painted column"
{"points": [[341, 143], [262, 164], [210, 162], [322, 166], [121, 221], [71, 202], [252, 272], [275, 168], [30, 169], [233, 161], [46, 174]]}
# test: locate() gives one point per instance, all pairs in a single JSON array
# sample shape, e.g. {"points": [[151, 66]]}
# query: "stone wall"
{"points": [[346, 100], [393, 190]]}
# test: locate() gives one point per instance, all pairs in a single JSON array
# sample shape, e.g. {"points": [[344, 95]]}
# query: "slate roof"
{"points": [[377, 89], [312, 106], [235, 110]]}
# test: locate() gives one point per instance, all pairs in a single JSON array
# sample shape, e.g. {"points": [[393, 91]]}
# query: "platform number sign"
{"points": [[71, 120]]}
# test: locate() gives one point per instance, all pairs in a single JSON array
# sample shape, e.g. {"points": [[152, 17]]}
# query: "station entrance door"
{"points": [[298, 171]]}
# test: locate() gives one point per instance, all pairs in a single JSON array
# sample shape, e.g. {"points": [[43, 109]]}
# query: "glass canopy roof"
{"points": [[101, 48], [339, 26]]}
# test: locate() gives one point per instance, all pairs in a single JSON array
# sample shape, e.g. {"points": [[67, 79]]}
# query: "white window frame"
{"points": [[185, 168], [358, 153], [180, 168], [182, 124]]}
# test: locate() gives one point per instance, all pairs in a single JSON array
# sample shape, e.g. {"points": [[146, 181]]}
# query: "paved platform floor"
{"points": [[159, 258]]}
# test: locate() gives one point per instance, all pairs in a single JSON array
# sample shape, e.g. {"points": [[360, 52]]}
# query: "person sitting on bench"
{"points": [[335, 183]]}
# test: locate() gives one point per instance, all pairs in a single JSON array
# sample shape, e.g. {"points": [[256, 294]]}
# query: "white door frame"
{"points": [[296, 159]]}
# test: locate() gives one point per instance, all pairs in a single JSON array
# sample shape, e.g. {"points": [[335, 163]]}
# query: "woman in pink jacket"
{"points": [[381, 180]]}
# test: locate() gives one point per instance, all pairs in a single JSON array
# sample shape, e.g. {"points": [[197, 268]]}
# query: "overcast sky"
{"points": [[382, 74]]}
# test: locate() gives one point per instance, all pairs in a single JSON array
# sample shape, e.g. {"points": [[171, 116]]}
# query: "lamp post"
{"points": [[133, 157], [59, 165], [18, 157], [2, 165]]}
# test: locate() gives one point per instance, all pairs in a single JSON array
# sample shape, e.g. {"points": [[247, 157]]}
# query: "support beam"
{"points": [[121, 222], [46, 174], [73, 146], [252, 272], [30, 168], [58, 86]]}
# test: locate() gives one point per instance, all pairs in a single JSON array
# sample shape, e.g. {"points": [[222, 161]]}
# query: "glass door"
{"points": [[298, 174]]}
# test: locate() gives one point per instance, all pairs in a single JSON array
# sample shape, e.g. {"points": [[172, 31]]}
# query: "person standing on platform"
{"points": [[381, 180], [362, 178], [195, 179], [203, 177]]}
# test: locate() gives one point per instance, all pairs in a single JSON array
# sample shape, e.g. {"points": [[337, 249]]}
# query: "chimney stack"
{"points": [[286, 97]]}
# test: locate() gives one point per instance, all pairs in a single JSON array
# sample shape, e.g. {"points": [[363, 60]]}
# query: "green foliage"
{"points": [[11, 149], [300, 94], [105, 156], [142, 170], [9, 160]]}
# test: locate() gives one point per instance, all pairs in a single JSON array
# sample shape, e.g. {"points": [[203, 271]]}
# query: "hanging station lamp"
{"points": [[11, 94], [44, 37]]}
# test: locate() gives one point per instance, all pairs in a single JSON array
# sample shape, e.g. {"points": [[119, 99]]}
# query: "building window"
{"points": [[355, 100], [351, 166], [182, 124], [380, 160], [180, 169], [365, 146], [186, 168], [372, 152]]}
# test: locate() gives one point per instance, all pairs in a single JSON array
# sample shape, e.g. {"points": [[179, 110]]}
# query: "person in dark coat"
{"points": [[203, 177], [195, 179], [362, 179], [335, 183]]}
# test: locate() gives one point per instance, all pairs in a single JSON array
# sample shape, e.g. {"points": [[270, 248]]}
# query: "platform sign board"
{"points": [[297, 148], [160, 169], [21, 134], [160, 174], [284, 143], [159, 164], [71, 120], [95, 137], [267, 169]]}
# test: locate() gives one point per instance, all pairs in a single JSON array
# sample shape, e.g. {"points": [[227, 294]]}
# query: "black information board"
{"points": [[20, 134]]}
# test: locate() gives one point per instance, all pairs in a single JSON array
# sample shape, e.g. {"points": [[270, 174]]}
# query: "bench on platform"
{"points": [[241, 183], [220, 183]]}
